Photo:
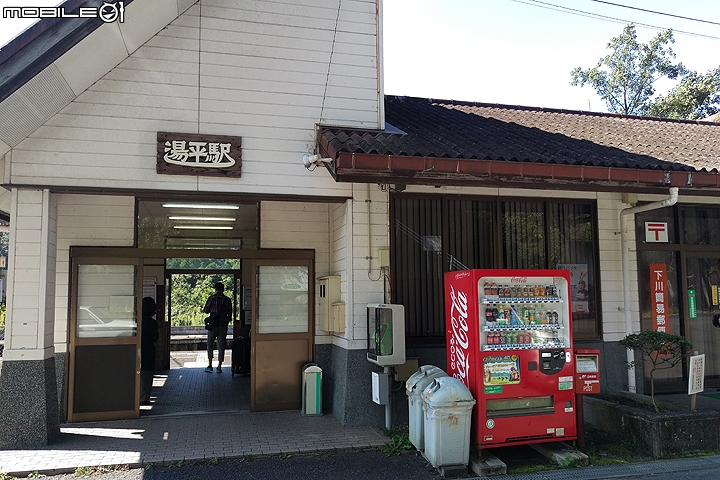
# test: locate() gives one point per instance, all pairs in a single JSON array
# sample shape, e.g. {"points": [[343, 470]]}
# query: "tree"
{"points": [[624, 79], [664, 350], [696, 96]]}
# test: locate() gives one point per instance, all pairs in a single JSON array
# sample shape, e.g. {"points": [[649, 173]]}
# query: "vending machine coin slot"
{"points": [[552, 361]]}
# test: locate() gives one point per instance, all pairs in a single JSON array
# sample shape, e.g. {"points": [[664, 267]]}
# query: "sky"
{"points": [[521, 52], [515, 52]]}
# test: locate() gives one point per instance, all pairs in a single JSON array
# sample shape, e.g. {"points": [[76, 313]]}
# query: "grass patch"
{"points": [[175, 464], [284, 456], [89, 471], [399, 441], [606, 449], [530, 469], [212, 461]]}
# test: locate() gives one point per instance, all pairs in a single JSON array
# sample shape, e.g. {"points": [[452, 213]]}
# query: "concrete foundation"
{"points": [[659, 435], [28, 404]]}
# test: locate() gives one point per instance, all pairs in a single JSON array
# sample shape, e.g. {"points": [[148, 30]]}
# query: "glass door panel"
{"points": [[106, 301], [703, 282], [649, 263], [282, 299]]}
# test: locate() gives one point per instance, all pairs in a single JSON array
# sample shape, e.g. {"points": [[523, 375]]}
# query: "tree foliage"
{"points": [[625, 78], [664, 350], [696, 96], [189, 293]]}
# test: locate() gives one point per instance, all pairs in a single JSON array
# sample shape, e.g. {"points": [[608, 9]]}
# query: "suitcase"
{"points": [[241, 356]]}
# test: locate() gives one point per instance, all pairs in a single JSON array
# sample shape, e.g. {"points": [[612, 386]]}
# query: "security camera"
{"points": [[313, 160]]}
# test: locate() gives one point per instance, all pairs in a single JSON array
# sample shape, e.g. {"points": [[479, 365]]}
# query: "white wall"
{"points": [[88, 221], [31, 275], [367, 281], [609, 206], [263, 68]]}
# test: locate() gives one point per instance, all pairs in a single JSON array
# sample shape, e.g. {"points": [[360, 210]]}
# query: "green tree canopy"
{"points": [[625, 78], [696, 96]]}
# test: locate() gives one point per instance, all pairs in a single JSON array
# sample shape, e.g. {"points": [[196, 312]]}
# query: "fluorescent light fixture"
{"points": [[217, 206], [202, 227], [201, 219]]}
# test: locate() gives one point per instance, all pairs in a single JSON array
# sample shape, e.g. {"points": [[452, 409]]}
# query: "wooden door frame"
{"points": [[120, 255], [76, 341], [310, 334]]}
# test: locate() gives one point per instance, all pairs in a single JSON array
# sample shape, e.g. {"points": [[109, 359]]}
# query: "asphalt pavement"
{"points": [[371, 464]]}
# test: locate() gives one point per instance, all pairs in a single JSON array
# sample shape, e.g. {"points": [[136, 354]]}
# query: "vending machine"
{"points": [[509, 339]]}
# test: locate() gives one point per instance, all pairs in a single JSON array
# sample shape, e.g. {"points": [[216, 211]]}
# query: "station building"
{"points": [[174, 140]]}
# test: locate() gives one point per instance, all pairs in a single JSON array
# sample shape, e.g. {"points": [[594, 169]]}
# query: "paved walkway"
{"points": [[194, 415]]}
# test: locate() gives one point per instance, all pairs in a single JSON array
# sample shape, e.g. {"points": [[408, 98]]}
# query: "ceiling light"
{"points": [[217, 206], [202, 227], [200, 219]]}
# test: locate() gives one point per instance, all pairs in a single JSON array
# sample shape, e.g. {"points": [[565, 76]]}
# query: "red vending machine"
{"points": [[509, 339]]}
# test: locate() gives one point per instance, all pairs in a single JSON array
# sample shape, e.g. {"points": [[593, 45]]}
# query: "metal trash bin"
{"points": [[448, 408], [311, 390], [414, 387]]}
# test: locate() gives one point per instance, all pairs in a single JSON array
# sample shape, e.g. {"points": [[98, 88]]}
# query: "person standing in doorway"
{"points": [[147, 348], [218, 304]]}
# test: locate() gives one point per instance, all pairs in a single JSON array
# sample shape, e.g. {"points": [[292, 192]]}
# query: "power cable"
{"points": [[653, 11], [573, 11]]}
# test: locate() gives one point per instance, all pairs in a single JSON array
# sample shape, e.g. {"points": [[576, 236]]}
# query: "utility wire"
{"points": [[573, 11], [658, 13]]}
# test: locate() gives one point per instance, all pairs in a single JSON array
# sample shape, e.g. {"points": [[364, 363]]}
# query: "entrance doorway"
{"points": [[272, 292]]}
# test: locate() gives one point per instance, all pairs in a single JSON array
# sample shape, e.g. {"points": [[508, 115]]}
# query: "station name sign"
{"points": [[193, 154]]}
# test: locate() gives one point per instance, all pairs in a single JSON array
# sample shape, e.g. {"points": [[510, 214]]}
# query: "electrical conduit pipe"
{"points": [[668, 202]]}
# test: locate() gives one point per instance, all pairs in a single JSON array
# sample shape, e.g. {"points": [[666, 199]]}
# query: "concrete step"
{"points": [[562, 454]]}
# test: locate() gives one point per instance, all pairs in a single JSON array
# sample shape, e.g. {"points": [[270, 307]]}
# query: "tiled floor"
{"points": [[194, 415], [187, 388]]}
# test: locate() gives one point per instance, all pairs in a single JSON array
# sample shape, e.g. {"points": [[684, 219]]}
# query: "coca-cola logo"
{"points": [[459, 341], [518, 280]]}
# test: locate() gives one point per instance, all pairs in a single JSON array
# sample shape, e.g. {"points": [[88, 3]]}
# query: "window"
{"points": [[196, 224], [433, 235]]}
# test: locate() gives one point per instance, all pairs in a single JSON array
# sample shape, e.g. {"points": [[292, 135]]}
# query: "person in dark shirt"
{"points": [[147, 348], [218, 304]]}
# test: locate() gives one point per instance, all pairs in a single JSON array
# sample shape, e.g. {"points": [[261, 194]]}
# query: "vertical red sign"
{"points": [[659, 297]]}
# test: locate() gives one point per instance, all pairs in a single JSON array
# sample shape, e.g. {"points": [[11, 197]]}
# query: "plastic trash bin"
{"points": [[312, 390], [414, 387], [448, 408]]}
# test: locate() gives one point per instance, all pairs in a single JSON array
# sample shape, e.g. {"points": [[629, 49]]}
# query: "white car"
{"points": [[93, 324]]}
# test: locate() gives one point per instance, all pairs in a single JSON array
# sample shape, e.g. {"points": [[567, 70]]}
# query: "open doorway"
{"points": [[183, 385]]}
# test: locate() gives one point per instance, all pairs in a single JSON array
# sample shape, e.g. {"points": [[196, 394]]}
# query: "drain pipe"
{"points": [[671, 200]]}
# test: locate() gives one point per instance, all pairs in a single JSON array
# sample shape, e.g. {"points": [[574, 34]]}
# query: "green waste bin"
{"points": [[311, 390]]}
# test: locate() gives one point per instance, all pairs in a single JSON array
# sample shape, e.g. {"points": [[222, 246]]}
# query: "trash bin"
{"points": [[448, 416], [311, 390], [414, 387]]}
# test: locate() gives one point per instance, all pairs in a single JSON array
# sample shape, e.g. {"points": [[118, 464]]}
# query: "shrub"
{"points": [[664, 350]]}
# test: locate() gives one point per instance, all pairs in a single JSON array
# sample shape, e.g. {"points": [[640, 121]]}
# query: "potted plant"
{"points": [[663, 350]]}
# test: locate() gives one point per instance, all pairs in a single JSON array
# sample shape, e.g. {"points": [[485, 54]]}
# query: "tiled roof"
{"points": [[462, 130]]}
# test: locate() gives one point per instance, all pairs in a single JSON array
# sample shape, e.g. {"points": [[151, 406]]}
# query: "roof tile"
{"points": [[451, 129]]}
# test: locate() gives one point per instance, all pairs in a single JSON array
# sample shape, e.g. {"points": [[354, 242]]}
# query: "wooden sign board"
{"points": [[204, 155]]}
